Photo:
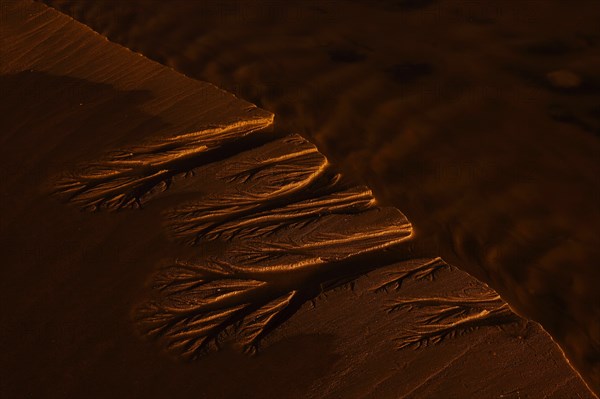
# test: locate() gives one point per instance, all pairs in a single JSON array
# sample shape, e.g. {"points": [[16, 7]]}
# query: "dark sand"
{"points": [[164, 162], [479, 121]]}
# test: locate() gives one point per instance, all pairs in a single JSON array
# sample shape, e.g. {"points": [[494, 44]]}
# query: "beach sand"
{"points": [[137, 195], [479, 121]]}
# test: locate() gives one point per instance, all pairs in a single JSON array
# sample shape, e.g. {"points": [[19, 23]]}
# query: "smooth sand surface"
{"points": [[143, 203], [479, 121]]}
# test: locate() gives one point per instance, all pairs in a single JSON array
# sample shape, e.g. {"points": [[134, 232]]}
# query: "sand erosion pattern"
{"points": [[74, 94], [288, 228], [457, 115]]}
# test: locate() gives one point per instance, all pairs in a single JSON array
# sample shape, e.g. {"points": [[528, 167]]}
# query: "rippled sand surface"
{"points": [[480, 122]]}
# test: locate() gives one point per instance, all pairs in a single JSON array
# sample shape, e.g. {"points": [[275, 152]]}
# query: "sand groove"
{"points": [[426, 270], [254, 180], [267, 222], [130, 177], [320, 240], [436, 305], [197, 306], [448, 317]]}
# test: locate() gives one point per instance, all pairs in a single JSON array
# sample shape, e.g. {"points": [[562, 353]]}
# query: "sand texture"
{"points": [[162, 238], [479, 120]]}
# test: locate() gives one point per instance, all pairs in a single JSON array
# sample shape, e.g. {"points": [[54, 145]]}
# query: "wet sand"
{"points": [[146, 162], [479, 121]]}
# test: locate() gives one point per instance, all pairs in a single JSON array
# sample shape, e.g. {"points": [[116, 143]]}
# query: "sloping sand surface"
{"points": [[478, 120], [143, 204]]}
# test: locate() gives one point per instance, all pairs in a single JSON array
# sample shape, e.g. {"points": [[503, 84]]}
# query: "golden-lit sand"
{"points": [[143, 203], [479, 121]]}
